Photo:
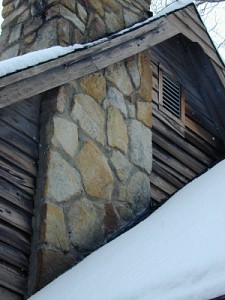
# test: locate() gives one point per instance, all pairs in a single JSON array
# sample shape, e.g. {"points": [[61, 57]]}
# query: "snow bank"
{"points": [[177, 253]]}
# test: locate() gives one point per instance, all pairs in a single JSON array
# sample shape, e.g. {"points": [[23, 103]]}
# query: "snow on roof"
{"points": [[176, 253], [15, 64]]}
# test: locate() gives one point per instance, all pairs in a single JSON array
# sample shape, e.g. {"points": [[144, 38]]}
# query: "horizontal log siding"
{"points": [[180, 153], [19, 127]]}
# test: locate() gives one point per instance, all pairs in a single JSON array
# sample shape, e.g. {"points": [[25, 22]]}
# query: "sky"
{"points": [[215, 17]]}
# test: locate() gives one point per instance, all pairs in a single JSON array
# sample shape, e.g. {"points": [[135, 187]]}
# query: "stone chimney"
{"points": [[36, 24], [95, 132]]}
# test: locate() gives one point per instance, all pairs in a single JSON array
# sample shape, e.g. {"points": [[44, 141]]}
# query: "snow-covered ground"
{"points": [[176, 254]]}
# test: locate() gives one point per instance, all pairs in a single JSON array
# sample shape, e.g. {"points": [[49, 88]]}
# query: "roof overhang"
{"points": [[40, 78]]}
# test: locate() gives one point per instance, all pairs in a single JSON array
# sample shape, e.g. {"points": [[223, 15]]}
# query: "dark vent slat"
{"points": [[172, 111], [171, 98], [171, 89], [174, 87], [175, 110], [171, 95]]}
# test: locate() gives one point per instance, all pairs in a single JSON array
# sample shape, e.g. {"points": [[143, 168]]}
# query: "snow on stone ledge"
{"points": [[18, 63], [177, 253]]}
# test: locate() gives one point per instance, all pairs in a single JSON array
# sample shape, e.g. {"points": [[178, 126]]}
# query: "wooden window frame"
{"points": [[181, 120]]}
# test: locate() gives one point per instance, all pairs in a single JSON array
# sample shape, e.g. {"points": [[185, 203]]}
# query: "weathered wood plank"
{"points": [[196, 27], [213, 92], [17, 158], [9, 275], [6, 294], [157, 194], [177, 140], [16, 196], [178, 128], [162, 183], [15, 217], [18, 182], [28, 111], [190, 34], [173, 163], [163, 171], [76, 65], [201, 144], [178, 153], [12, 118], [15, 238], [20, 177], [209, 138], [18, 140], [14, 257]]}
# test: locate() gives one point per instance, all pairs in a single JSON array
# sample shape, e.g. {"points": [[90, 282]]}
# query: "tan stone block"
{"points": [[65, 135], [63, 181], [145, 89], [61, 99], [94, 85], [12, 18], [110, 219], [89, 115], [130, 17], [53, 229], [81, 12], [30, 39], [117, 130], [121, 164], [96, 173], [8, 9], [85, 223], [51, 264], [114, 22], [96, 27], [113, 5], [97, 5], [134, 71], [117, 74], [144, 113]]}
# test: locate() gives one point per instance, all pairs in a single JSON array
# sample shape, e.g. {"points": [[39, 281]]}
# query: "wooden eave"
{"points": [[38, 79]]}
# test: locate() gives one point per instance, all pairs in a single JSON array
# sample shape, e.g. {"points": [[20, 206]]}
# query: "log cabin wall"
{"points": [[181, 151], [18, 169]]}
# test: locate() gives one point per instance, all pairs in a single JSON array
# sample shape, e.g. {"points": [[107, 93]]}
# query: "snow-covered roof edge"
{"points": [[35, 58]]}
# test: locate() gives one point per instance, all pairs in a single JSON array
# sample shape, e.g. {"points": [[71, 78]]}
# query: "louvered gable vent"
{"points": [[171, 95]]}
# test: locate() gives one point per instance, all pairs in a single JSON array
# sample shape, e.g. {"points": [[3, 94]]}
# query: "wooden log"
{"points": [[178, 153], [15, 120], [161, 183], [158, 169], [157, 194], [30, 112], [200, 143], [9, 275], [11, 154], [12, 194], [14, 216], [18, 140], [177, 140], [201, 132], [13, 256], [14, 237], [173, 163], [6, 294]]}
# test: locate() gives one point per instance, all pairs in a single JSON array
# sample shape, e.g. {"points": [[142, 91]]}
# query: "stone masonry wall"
{"points": [[96, 157], [31, 25]]}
